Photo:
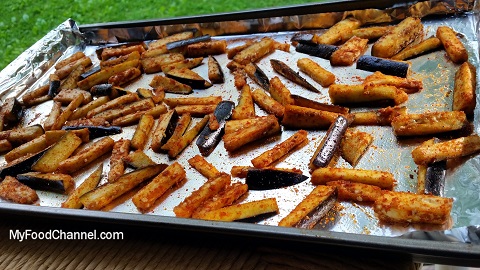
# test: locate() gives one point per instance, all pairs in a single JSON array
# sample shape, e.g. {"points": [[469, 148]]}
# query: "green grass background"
{"points": [[25, 21]]}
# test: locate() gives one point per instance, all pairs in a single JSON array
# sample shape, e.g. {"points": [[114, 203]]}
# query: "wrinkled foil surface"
{"points": [[32, 67]]}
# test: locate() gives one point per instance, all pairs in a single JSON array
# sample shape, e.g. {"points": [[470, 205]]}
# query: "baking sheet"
{"points": [[437, 72]]}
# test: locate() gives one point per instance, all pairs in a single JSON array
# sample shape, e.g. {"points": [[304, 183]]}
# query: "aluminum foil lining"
{"points": [[29, 71]]}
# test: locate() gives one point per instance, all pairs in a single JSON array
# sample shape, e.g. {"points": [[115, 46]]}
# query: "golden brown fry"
{"points": [[154, 52], [107, 72], [235, 50], [206, 191], [318, 195], [133, 118], [182, 142], [242, 211], [138, 159], [453, 46], [205, 168], [66, 96], [306, 118], [78, 161], [50, 161], [236, 125], [464, 146], [407, 207], [245, 108], [349, 52], [186, 63], [255, 51], [235, 140], [267, 103], [239, 78], [322, 76], [154, 64], [117, 164], [372, 32], [354, 144], [408, 85], [163, 129], [72, 79], [279, 92], [124, 77], [146, 197], [5, 146], [215, 73], [428, 123], [83, 111], [162, 83], [351, 191], [141, 105], [464, 98], [178, 101], [280, 150], [73, 200], [63, 72], [381, 117], [29, 98], [114, 52], [142, 132], [103, 195], [34, 146], [402, 35], [174, 37], [202, 49], [222, 199], [115, 103], [349, 94], [63, 117], [12, 190], [339, 32], [72, 58], [181, 127], [384, 180], [429, 44], [52, 116], [135, 55]]}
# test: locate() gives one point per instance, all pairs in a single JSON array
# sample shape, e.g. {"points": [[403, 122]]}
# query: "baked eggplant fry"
{"points": [[106, 193], [349, 52], [354, 144], [351, 191], [178, 101], [63, 117], [141, 105], [408, 85], [164, 130], [351, 94], [245, 107], [380, 117], [142, 132], [5, 146], [225, 198], [196, 110], [82, 112], [64, 71], [384, 180], [422, 171], [339, 32], [284, 70], [72, 58], [52, 158], [65, 96], [12, 190], [91, 182], [206, 191], [404, 207], [175, 37], [428, 123], [168, 85], [186, 63], [279, 92], [267, 103], [233, 51], [453, 46], [114, 103], [103, 75], [371, 33], [182, 142], [309, 204], [280, 150], [133, 118], [82, 159], [215, 73], [52, 116], [29, 98], [239, 78], [154, 64], [180, 128], [322, 76], [125, 77], [33, 146], [202, 49], [236, 125], [460, 147], [135, 55], [308, 103], [70, 82], [117, 164], [255, 52], [235, 140], [427, 45], [243, 211], [242, 171], [464, 98], [114, 52], [138, 160], [205, 168], [398, 38], [297, 117], [146, 197]]}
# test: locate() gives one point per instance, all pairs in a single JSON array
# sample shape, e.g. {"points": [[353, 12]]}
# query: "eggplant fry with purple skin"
{"points": [[290, 74]]}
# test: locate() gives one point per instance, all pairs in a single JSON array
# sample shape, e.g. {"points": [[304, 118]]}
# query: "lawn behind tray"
{"points": [[23, 22]]}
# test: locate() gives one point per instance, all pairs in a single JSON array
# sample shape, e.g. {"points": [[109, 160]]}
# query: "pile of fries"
{"points": [[90, 104]]}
